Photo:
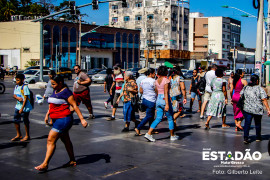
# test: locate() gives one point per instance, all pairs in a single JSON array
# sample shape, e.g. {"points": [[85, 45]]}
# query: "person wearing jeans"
{"points": [[254, 99], [163, 104], [147, 89]]}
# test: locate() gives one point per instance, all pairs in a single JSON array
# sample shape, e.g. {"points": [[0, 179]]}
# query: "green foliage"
{"points": [[30, 63], [22, 7], [68, 16]]}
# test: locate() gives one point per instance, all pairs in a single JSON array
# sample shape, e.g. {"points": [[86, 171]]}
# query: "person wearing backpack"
{"points": [[22, 109]]}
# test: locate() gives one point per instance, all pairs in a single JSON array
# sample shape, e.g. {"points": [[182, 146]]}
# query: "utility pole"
{"points": [[80, 38], [41, 52], [268, 44], [182, 32], [234, 54], [259, 41]]}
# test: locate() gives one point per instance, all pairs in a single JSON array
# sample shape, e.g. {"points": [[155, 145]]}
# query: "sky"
{"points": [[207, 7]]}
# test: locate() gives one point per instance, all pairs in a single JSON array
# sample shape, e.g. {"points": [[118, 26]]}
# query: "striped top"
{"points": [[59, 106]]}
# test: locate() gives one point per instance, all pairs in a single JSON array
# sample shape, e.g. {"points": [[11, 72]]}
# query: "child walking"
{"points": [[22, 108]]}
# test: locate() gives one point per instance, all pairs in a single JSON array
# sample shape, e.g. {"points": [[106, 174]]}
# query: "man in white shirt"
{"points": [[209, 76], [142, 76]]}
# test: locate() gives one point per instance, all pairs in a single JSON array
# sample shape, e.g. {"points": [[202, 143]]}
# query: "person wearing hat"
{"points": [[143, 75], [201, 71]]}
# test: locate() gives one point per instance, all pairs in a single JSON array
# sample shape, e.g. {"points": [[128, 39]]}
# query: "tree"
{"points": [[68, 16], [242, 45], [8, 10], [30, 63]]}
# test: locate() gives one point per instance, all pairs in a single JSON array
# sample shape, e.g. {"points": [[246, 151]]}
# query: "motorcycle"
{"points": [[2, 88]]}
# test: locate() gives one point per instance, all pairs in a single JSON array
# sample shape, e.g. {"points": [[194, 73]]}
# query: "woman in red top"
{"points": [[59, 112]]}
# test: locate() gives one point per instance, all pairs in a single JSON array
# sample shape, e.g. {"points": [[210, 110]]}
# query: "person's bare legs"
{"points": [[18, 131], [200, 105], [51, 145], [207, 122], [113, 112], [191, 104], [203, 107], [89, 108], [224, 122], [69, 147], [27, 134]]}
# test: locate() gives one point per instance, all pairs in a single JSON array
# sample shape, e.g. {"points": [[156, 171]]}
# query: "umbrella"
{"points": [[267, 63], [167, 64]]}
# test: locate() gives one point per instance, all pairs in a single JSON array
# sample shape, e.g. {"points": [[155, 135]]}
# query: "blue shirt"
{"points": [[17, 92]]}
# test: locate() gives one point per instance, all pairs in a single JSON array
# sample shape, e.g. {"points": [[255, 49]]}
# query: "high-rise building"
{"points": [[212, 37], [163, 25]]}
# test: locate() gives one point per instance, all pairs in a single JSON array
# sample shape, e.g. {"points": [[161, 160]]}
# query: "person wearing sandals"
{"points": [[218, 101], [147, 89], [254, 99], [236, 87], [59, 112], [130, 89], [22, 108], [193, 90], [163, 104], [177, 92]]}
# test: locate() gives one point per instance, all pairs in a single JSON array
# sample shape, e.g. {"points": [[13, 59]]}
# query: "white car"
{"points": [[228, 72], [32, 76], [99, 77]]}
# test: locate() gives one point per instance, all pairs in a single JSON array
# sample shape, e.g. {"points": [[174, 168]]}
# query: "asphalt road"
{"points": [[103, 152]]}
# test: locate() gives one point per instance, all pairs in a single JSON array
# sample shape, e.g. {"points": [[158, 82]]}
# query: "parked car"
{"points": [[134, 71], [32, 76], [94, 71], [184, 71], [189, 74], [99, 77], [228, 72], [32, 67], [64, 72]]}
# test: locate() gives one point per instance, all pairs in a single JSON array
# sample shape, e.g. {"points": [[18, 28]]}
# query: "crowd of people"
{"points": [[158, 94]]}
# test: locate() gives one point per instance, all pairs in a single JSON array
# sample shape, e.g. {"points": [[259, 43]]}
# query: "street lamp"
{"points": [[246, 13]]}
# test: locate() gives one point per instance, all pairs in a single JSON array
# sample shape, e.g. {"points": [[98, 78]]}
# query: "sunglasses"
{"points": [[76, 69]]}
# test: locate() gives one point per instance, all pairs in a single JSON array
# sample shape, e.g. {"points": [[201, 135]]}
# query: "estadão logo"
{"points": [[208, 155]]}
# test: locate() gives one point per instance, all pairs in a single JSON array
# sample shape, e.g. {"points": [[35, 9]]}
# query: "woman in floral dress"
{"points": [[218, 101]]}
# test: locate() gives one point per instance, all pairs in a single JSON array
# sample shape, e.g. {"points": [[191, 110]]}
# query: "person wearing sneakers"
{"points": [[81, 91], [163, 104], [209, 76], [118, 81], [107, 85]]}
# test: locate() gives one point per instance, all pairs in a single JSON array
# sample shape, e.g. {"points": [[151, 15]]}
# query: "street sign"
{"points": [[88, 57]]}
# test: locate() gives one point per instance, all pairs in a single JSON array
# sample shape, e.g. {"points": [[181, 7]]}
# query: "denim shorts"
{"points": [[62, 124], [193, 95], [18, 116]]}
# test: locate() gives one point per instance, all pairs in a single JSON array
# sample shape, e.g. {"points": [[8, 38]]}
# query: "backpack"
{"points": [[201, 85], [30, 98]]}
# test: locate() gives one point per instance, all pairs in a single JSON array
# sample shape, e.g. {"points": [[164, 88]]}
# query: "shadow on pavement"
{"points": [[13, 144], [84, 159], [6, 122], [181, 136], [41, 137]]}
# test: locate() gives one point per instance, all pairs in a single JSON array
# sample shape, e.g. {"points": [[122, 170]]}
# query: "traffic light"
{"points": [[95, 4], [230, 55], [72, 7], [124, 3]]}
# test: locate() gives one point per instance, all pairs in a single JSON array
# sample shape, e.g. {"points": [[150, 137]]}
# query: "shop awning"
{"points": [[267, 63], [168, 64]]}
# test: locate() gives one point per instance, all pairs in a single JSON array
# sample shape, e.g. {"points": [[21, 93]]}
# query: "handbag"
{"points": [[240, 104], [141, 107], [134, 102]]}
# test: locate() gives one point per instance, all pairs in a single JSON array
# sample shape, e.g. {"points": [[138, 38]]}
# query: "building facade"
{"points": [[163, 24], [100, 48], [212, 37]]}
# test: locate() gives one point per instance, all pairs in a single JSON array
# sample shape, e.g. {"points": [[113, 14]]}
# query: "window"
{"points": [[205, 46], [185, 43], [173, 28], [173, 42], [205, 26], [126, 18], [186, 31], [114, 6], [205, 36], [150, 16], [228, 27], [228, 37], [115, 19], [223, 55], [138, 18], [228, 46], [174, 15], [149, 30], [223, 46], [223, 35], [139, 29], [138, 4], [223, 25]]}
